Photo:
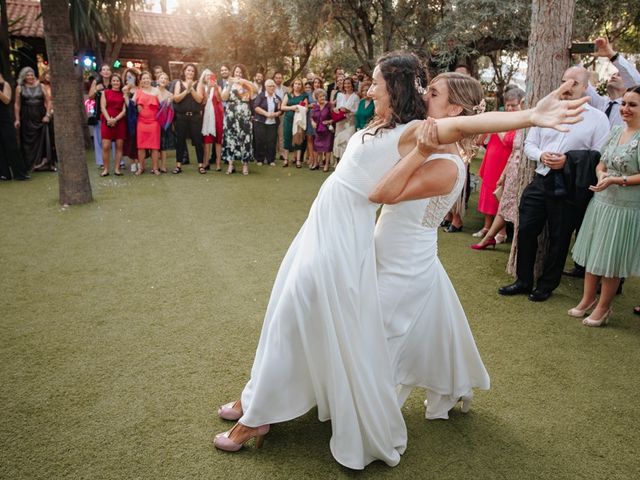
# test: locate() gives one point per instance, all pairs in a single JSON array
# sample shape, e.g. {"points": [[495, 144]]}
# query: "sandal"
{"points": [[117, 173], [202, 170], [501, 238], [162, 170], [139, 172], [636, 310], [177, 170], [245, 169], [104, 174], [155, 172]]}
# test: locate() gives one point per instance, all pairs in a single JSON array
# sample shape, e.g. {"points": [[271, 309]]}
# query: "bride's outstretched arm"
{"points": [[550, 112]]}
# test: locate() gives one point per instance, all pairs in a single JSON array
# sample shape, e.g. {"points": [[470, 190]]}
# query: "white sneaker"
{"points": [[134, 167]]}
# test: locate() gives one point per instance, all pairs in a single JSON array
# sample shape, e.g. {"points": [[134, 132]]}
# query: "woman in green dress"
{"points": [[290, 103], [365, 110], [607, 244]]}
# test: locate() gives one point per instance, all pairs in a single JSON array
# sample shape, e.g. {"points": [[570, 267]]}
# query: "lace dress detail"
{"points": [[438, 207]]}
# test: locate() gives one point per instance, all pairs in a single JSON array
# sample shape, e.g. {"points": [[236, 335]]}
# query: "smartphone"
{"points": [[583, 47]]}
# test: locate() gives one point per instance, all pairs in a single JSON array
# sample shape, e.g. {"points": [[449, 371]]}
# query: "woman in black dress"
{"points": [[11, 165], [32, 110]]}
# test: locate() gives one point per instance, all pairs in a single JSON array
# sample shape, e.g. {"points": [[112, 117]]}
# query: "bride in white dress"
{"points": [[429, 339], [323, 341], [430, 342]]}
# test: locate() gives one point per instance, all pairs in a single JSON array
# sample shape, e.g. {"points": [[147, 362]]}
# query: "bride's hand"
{"points": [[427, 138], [552, 111]]}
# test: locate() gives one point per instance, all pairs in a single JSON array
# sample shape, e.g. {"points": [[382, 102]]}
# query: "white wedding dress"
{"points": [[429, 339], [323, 341]]}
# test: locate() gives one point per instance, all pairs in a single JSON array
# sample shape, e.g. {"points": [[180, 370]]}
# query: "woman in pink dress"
{"points": [[495, 159], [508, 180], [113, 125], [148, 131]]}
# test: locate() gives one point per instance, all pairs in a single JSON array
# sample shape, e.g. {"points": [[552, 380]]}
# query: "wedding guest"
{"points": [[366, 108], [310, 132], [157, 71], [322, 123], [45, 80], [148, 128], [508, 181], [626, 77], [32, 115], [337, 89], [267, 116], [11, 162], [188, 95], [346, 104], [213, 119], [607, 244], [281, 91], [97, 86], [258, 82], [167, 135], [498, 150], [237, 142], [547, 199], [113, 123], [290, 105], [130, 147], [338, 73]]}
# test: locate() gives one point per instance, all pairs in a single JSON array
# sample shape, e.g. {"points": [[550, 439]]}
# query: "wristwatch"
{"points": [[615, 56]]}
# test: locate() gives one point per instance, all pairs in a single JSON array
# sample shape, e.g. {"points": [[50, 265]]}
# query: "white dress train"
{"points": [[429, 339], [323, 340]]}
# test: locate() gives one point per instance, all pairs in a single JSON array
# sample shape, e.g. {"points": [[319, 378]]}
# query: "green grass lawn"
{"points": [[127, 321]]}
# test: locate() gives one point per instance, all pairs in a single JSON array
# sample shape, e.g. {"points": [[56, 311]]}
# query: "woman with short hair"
{"points": [[32, 116]]}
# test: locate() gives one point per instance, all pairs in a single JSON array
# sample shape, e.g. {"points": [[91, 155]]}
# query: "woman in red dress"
{"points": [[148, 131], [495, 159], [113, 126]]}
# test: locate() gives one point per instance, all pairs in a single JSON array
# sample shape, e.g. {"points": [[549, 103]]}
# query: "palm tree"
{"points": [[75, 187]]}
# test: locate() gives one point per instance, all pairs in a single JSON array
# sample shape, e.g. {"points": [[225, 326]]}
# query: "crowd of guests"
{"points": [[232, 119], [586, 181], [229, 118]]}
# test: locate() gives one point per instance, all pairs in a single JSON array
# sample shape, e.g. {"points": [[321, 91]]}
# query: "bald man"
{"points": [[546, 199]]}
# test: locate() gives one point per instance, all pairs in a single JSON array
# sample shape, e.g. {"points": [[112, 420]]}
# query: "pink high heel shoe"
{"points": [[578, 313], [231, 411], [222, 441], [601, 322]]}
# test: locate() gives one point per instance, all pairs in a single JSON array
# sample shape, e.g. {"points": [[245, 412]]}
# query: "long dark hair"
{"points": [[402, 73]]}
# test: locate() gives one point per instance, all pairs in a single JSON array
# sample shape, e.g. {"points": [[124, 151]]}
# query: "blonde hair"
{"points": [[465, 92]]}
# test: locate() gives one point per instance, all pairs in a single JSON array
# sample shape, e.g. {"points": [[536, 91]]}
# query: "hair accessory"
{"points": [[419, 86], [481, 107]]}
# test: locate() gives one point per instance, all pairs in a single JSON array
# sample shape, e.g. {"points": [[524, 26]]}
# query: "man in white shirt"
{"points": [[627, 76], [544, 200]]}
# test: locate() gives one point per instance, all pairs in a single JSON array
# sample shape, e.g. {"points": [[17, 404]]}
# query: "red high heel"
{"points": [[490, 243]]}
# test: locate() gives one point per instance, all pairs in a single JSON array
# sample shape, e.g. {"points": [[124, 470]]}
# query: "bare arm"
{"points": [[103, 108], [198, 93], [177, 96], [550, 112], [411, 178], [16, 107], [5, 93]]}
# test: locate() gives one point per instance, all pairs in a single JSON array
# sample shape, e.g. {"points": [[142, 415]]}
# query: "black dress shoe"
{"points": [[539, 295], [453, 229], [515, 288], [574, 272]]}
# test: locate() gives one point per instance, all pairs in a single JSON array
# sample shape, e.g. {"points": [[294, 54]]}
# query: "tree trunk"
{"points": [[548, 58], [73, 173], [5, 45]]}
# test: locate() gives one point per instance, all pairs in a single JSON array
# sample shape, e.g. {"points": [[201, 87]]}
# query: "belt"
{"points": [[189, 114]]}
